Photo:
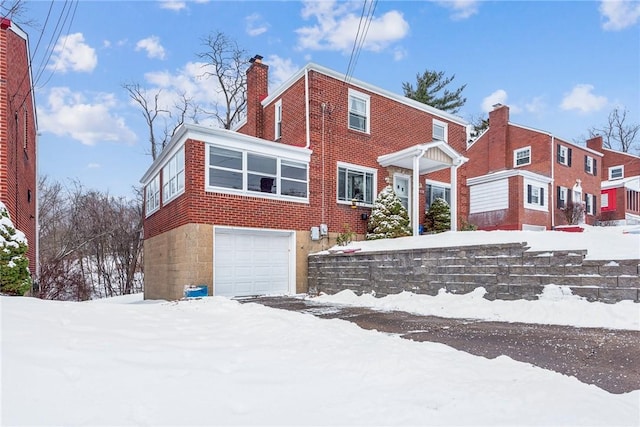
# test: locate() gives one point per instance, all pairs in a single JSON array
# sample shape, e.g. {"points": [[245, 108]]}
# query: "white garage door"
{"points": [[252, 262]]}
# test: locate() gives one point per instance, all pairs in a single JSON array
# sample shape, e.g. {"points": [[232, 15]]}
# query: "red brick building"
{"points": [[18, 182], [239, 211], [524, 179], [620, 195]]}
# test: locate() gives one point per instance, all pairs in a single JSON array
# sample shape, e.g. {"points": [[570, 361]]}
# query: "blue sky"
{"points": [[560, 66]]}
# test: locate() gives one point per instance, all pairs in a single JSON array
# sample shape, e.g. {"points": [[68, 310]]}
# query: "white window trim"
{"points": [[367, 100], [612, 168], [152, 189], [408, 178], [351, 166], [278, 120], [245, 191], [515, 156], [564, 152], [169, 196], [437, 184], [544, 207], [590, 165], [441, 124], [564, 193], [589, 204]]}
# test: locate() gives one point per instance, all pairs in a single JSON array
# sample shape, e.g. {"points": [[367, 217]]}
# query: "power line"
{"points": [[366, 16]]}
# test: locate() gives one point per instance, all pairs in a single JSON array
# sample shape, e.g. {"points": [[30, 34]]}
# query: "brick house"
{"points": [[521, 178], [18, 127], [239, 211], [620, 192]]}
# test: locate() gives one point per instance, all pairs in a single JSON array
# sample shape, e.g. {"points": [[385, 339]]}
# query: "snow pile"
{"points": [[602, 243], [217, 362], [555, 306]]}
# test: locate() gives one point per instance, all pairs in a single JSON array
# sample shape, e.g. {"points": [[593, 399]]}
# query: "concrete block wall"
{"points": [[506, 271]]}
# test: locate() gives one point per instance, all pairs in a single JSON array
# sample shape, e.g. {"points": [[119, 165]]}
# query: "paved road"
{"points": [[608, 358]]}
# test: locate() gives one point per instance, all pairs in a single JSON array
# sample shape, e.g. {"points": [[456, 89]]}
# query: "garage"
{"points": [[249, 261]]}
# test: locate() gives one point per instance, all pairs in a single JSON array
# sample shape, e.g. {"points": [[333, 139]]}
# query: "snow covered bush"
{"points": [[14, 265], [438, 217], [389, 219]]}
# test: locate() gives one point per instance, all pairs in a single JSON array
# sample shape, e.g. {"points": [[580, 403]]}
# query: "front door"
{"points": [[401, 186]]}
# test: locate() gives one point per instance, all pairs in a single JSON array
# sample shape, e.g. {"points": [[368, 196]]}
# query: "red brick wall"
{"points": [[611, 158], [18, 184]]}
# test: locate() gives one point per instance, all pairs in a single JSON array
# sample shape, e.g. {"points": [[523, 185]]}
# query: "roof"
{"points": [[443, 156], [366, 86], [632, 183]]}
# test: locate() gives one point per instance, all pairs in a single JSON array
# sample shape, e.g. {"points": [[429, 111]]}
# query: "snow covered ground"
{"points": [[215, 361]]}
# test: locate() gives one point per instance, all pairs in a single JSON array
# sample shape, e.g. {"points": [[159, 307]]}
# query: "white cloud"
{"points": [[152, 46], [255, 25], [582, 99], [71, 53], [280, 70], [536, 106], [94, 166], [68, 113], [173, 5], [619, 14], [337, 27], [462, 9], [498, 97]]}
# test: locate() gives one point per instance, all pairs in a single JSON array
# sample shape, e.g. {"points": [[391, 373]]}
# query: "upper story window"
{"points": [[152, 195], [590, 165], [535, 197], [440, 131], [564, 155], [356, 183], [359, 111], [522, 157], [173, 176], [245, 172], [278, 120], [616, 172]]}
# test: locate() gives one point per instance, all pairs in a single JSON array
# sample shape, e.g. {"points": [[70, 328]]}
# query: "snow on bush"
{"points": [[14, 265], [389, 219]]}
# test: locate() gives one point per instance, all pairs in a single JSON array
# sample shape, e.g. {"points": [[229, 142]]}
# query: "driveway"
{"points": [[606, 358]]}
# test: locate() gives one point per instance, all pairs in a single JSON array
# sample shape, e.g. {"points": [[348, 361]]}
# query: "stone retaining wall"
{"points": [[506, 271]]}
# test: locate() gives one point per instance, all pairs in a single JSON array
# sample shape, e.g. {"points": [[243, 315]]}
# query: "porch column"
{"points": [[454, 198], [415, 199]]}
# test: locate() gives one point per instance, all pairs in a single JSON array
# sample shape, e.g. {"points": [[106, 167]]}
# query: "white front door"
{"points": [[401, 186]]}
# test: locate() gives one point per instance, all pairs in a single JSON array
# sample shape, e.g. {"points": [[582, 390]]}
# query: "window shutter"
{"points": [[528, 194], [595, 203], [595, 169], [568, 156], [558, 199], [569, 196], [542, 196], [586, 163], [558, 154]]}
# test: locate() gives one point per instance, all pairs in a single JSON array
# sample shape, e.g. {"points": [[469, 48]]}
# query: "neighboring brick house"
{"points": [[620, 195], [523, 179], [239, 211], [18, 182]]}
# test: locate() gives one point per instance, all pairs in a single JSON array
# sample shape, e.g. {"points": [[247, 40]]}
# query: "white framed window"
{"points": [[590, 165], [522, 157], [604, 200], [356, 183], [237, 171], [437, 190], [564, 155], [152, 195], [562, 193], [589, 204], [616, 172], [278, 120], [535, 195], [359, 111], [173, 176], [402, 188], [440, 131]]}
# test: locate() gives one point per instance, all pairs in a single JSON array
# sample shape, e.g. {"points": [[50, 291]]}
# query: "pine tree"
{"points": [[14, 265], [438, 217], [389, 219]]}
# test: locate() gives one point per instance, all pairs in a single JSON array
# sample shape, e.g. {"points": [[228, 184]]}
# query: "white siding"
{"points": [[489, 196]]}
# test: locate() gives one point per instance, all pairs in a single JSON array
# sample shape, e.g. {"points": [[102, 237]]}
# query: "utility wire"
{"points": [[366, 16]]}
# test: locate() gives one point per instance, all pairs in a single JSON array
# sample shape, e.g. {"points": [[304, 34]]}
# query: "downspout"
{"points": [[306, 106], [553, 184]]}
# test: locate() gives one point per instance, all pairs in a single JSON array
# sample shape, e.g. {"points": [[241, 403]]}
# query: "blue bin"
{"points": [[196, 291]]}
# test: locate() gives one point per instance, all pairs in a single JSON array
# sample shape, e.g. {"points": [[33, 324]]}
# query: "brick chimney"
{"points": [[595, 143], [499, 155], [257, 90]]}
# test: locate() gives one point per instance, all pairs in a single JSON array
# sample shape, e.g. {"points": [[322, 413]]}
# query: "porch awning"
{"points": [[422, 159]]}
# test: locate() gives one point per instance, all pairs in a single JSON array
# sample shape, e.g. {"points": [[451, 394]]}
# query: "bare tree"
{"points": [[15, 10], [618, 133], [227, 64]]}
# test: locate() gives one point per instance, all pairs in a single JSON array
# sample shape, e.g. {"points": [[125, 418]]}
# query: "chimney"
{"points": [[595, 143], [257, 90], [5, 23], [499, 155]]}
